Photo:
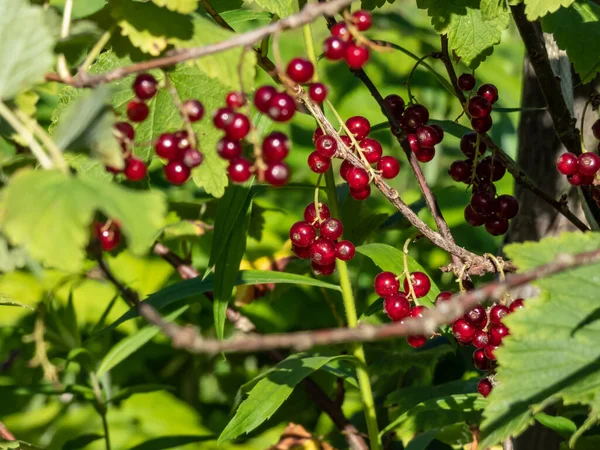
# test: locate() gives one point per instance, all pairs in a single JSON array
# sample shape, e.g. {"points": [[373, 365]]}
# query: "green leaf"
{"points": [[282, 8], [563, 426], [390, 259], [372, 4], [572, 26], [127, 392], [82, 441], [406, 398], [534, 9], [165, 442], [27, 52], [271, 391], [180, 6], [493, 8], [81, 9], [558, 330], [10, 302], [470, 35], [126, 347], [189, 288], [422, 441], [40, 202]]}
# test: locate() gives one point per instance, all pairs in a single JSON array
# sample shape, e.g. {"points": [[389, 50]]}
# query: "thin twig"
{"points": [[62, 67], [95, 51]]}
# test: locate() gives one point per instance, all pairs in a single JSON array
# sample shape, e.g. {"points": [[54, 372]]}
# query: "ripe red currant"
{"points": [[322, 252], [579, 179], [472, 218], [235, 99], [489, 91], [145, 86], [192, 158], [483, 203], [416, 116], [466, 82], [281, 107], [427, 136], [331, 229], [413, 142], [166, 146], [194, 110], [223, 117], [357, 178], [507, 206], [361, 194], [326, 146], [371, 149], [480, 361], [496, 226], [135, 169], [588, 163], [176, 172], [323, 270], [416, 341], [463, 331], [479, 107], [482, 124], [440, 132], [396, 105], [516, 305], [461, 171], [340, 30], [334, 48], [443, 296], [497, 313], [302, 234], [356, 56], [567, 163], [310, 212], [488, 169], [362, 20], [317, 92], [420, 282], [389, 167], [124, 130], [239, 127], [490, 351], [345, 250], [477, 317], [345, 168], [275, 147], [480, 339], [497, 333], [137, 111], [359, 126], [484, 387], [396, 306], [263, 96], [277, 173], [239, 170], [109, 235], [425, 154], [229, 149], [318, 163], [300, 70], [301, 252], [386, 283], [317, 134], [468, 145]]}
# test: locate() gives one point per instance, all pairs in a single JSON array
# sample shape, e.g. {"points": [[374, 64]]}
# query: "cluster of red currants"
{"points": [[485, 331], [317, 238], [396, 304], [479, 107], [177, 148], [342, 43], [582, 170]]}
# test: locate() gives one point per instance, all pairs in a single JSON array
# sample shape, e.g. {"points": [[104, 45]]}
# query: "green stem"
{"points": [[95, 51], [351, 317], [101, 407]]}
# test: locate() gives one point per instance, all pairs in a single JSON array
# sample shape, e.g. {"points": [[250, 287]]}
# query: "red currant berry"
{"points": [[239, 170], [443, 297], [235, 99], [482, 124], [396, 105], [466, 82], [239, 127], [579, 179], [480, 339], [463, 331], [301, 252], [317, 134], [461, 171], [137, 111], [318, 163], [490, 351], [483, 203], [416, 116], [192, 158], [491, 170], [477, 317], [484, 387], [588, 163], [371, 149], [396, 306], [326, 146], [416, 341], [516, 305], [277, 173], [389, 167], [420, 282], [331, 229], [135, 169], [317, 92], [497, 313], [347, 142], [468, 145], [145, 86], [359, 126], [323, 270], [275, 147], [386, 284], [567, 163], [360, 194], [229, 149], [507, 206], [194, 110], [124, 130], [183, 141], [322, 252], [427, 136], [345, 250], [356, 56], [484, 186], [489, 91], [439, 131], [300, 70], [310, 212], [263, 96], [357, 178], [479, 107], [282, 107], [334, 48], [497, 333], [472, 218], [176, 172], [362, 20], [109, 235], [480, 361], [345, 168], [223, 117], [596, 129], [425, 154], [496, 226], [413, 142], [166, 146], [302, 234]]}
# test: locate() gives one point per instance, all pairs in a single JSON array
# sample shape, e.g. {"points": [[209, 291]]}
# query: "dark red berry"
{"points": [[183, 141], [124, 130], [277, 173], [194, 110], [507, 206], [484, 387], [416, 341], [334, 48], [443, 297], [356, 56], [482, 124], [345, 168], [463, 331], [477, 317], [461, 171], [480, 361], [176, 172], [223, 117], [347, 142], [567, 163], [497, 333], [238, 128], [137, 111], [362, 19], [427, 136], [472, 218], [359, 126], [483, 203], [323, 270], [302, 234], [300, 70], [416, 116], [484, 186], [386, 284], [326, 146], [396, 306], [109, 235], [496, 226], [322, 252], [413, 142], [389, 167], [318, 163], [166, 146], [490, 169], [301, 252], [588, 163], [229, 149], [479, 107], [371, 149], [480, 339], [579, 179], [345, 250], [341, 31], [420, 282], [263, 96], [516, 304], [596, 129], [425, 154], [239, 170], [275, 147], [317, 92], [192, 158], [489, 91], [235, 99], [145, 86], [439, 131], [361, 194], [331, 229], [468, 145], [396, 105], [310, 212], [466, 82], [357, 178], [490, 351], [317, 134], [497, 313], [135, 169], [281, 107]]}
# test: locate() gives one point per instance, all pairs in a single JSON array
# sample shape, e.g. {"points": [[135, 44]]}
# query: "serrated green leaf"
{"points": [[38, 203], [493, 8], [81, 9], [558, 330], [125, 393], [180, 6], [422, 441], [282, 8], [271, 391], [572, 26], [81, 441], [28, 50], [534, 9], [126, 347]]}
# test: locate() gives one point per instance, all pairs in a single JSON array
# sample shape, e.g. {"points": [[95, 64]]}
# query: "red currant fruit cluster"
{"points": [[582, 170], [342, 43], [479, 107], [301, 71], [485, 331], [317, 238], [396, 303], [108, 233], [421, 137]]}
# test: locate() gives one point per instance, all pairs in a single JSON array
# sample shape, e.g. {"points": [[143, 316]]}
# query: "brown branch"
{"points": [[513, 168], [189, 339]]}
